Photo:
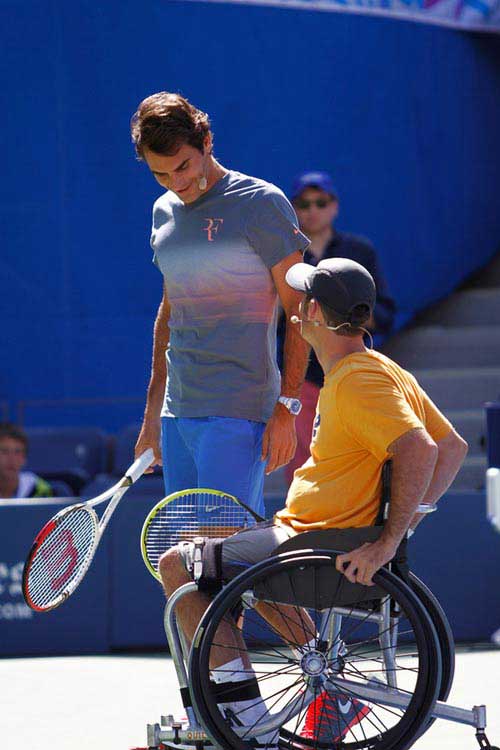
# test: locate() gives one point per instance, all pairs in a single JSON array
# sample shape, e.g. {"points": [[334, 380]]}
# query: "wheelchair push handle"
{"points": [[422, 509], [425, 508]]}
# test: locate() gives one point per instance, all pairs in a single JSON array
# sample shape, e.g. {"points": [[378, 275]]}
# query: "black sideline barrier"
{"points": [[493, 432]]}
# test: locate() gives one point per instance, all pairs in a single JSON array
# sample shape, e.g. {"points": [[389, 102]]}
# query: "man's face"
{"points": [[12, 458], [316, 210], [180, 173]]}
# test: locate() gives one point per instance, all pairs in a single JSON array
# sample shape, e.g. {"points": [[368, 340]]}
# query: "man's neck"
{"points": [[215, 173], [320, 240], [331, 349]]}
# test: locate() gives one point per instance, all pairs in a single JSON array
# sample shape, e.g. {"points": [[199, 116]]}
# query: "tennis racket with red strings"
{"points": [[63, 550]]}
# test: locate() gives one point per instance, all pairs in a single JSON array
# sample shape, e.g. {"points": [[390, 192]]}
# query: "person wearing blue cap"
{"points": [[316, 203]]}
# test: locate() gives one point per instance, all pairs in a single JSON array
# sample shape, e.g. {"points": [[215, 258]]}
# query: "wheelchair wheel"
{"points": [[443, 632], [306, 631]]}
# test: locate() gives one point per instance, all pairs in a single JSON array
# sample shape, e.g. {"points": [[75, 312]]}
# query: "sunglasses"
{"points": [[302, 204]]}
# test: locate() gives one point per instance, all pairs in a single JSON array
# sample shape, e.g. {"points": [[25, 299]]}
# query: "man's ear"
{"points": [[314, 312], [207, 144]]}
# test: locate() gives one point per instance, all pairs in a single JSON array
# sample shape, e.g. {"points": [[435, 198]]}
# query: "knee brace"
{"points": [[203, 560]]}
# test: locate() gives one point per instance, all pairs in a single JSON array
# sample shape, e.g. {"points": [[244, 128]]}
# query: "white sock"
{"points": [[232, 671], [249, 711]]}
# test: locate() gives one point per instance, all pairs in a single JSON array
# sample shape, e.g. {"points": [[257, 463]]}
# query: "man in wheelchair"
{"points": [[369, 410]]}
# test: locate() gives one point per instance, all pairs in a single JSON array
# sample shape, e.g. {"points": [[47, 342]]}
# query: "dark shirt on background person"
{"points": [[316, 203]]}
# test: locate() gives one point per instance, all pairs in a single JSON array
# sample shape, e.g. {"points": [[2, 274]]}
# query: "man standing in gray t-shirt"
{"points": [[223, 242]]}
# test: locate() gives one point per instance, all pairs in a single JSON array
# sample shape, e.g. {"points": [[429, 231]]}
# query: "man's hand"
{"points": [[279, 440], [364, 561], [149, 437]]}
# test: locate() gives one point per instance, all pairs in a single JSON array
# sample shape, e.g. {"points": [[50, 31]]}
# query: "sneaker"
{"points": [[237, 715], [329, 718]]}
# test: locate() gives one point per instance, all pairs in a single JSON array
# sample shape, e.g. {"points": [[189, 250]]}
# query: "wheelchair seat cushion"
{"points": [[340, 540], [331, 588]]}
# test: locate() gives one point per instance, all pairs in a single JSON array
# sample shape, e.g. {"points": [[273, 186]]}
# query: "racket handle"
{"points": [[140, 465]]}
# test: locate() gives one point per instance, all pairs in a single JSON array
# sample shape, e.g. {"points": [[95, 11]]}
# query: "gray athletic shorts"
{"points": [[245, 548], [250, 546]]}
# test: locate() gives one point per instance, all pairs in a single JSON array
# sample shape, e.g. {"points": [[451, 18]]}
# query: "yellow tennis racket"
{"points": [[184, 515]]}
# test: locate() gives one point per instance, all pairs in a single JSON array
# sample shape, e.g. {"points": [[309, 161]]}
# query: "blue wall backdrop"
{"points": [[407, 118]]}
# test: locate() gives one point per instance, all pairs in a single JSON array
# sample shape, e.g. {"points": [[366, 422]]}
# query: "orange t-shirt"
{"points": [[366, 403]]}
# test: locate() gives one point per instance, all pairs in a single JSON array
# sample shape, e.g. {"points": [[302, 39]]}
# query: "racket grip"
{"points": [[140, 465]]}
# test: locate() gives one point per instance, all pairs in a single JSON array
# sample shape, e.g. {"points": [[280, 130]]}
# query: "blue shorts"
{"points": [[219, 453]]}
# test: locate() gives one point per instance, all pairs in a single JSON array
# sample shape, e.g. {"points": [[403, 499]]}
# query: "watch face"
{"points": [[293, 405]]}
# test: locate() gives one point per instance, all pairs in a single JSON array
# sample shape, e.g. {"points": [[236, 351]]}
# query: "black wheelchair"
{"points": [[304, 631]]}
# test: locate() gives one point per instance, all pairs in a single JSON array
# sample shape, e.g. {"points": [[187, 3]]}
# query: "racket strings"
{"points": [[62, 557], [196, 514]]}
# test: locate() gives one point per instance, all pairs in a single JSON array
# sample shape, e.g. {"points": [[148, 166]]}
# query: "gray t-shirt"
{"points": [[215, 255]]}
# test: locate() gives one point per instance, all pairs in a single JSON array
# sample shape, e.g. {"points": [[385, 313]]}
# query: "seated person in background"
{"points": [[317, 205], [13, 481], [369, 410]]}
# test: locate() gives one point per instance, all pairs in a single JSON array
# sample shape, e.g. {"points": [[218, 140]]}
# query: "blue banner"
{"points": [[118, 605], [81, 625], [470, 15]]}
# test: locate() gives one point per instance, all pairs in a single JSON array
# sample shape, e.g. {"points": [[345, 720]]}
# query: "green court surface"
{"points": [[105, 702]]}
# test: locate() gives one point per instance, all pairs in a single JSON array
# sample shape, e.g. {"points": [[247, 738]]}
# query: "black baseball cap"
{"points": [[341, 284]]}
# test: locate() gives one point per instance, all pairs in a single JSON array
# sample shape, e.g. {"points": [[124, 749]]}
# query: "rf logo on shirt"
{"points": [[213, 226]]}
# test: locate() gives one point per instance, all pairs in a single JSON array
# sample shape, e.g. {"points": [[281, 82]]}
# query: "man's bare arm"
{"points": [[279, 440], [414, 456], [295, 349], [149, 436], [452, 450]]}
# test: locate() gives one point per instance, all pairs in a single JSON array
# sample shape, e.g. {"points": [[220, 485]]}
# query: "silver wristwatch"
{"points": [[293, 405]]}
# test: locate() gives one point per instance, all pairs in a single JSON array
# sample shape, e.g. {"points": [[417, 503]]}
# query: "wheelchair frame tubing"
{"points": [[412, 723]]}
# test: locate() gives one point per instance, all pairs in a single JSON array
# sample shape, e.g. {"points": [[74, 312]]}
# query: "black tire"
{"points": [[385, 728], [443, 632]]}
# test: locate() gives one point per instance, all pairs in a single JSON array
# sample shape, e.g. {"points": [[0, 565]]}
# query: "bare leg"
{"points": [[191, 609], [293, 623]]}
